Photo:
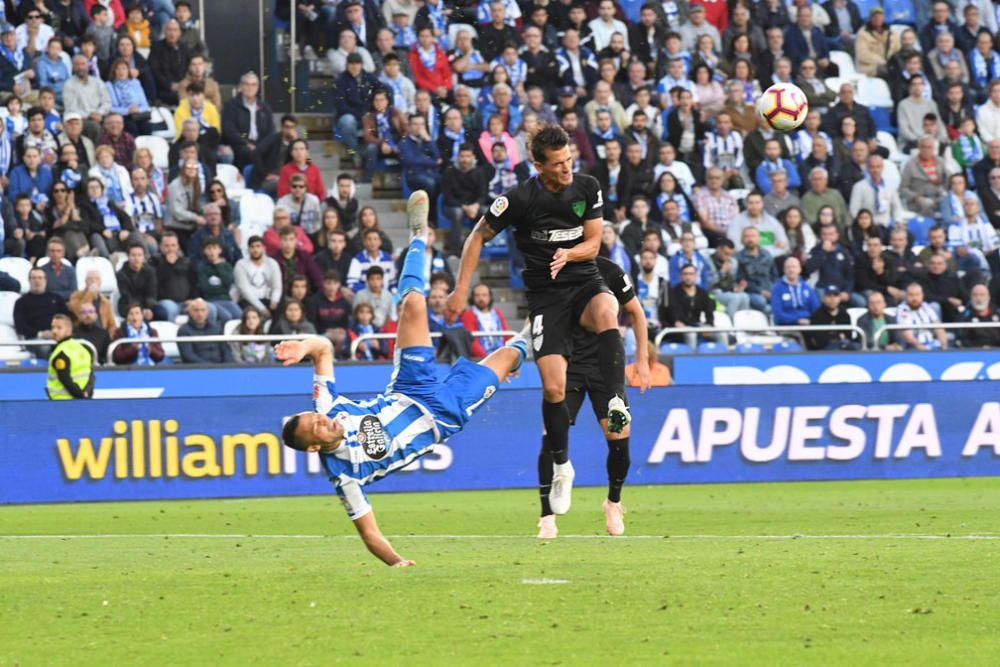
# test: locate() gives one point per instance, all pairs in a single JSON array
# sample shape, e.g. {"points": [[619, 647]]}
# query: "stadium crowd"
{"points": [[883, 206]]}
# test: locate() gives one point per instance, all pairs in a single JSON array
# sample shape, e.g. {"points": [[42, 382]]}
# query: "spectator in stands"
{"points": [[293, 320], [333, 309], [72, 134], [875, 271], [90, 296], [911, 112], [86, 95], [847, 106], [69, 19], [495, 33], [282, 218], [689, 303], [724, 149], [375, 293], [780, 198], [716, 207], [139, 68], [269, 156], [157, 179], [723, 283], [197, 72], [990, 195], [213, 228], [984, 63], [354, 18], [482, 316], [115, 136], [875, 195], [137, 284], [251, 352], [980, 309], [347, 45], [864, 227], [923, 179], [101, 30], [820, 156], [33, 311], [967, 148], [299, 162], [634, 230], [198, 324], [258, 279], [772, 234], [429, 64], [914, 310], [294, 261], [352, 98], [334, 255], [820, 194], [793, 300], [51, 69], [659, 373], [111, 228], [114, 178], [60, 277], [743, 114], [136, 326], [943, 287], [215, 281], [184, 202], [303, 206], [833, 264], [24, 229], [940, 22], [90, 330], [684, 127], [31, 177], [420, 158], [169, 60], [688, 254], [773, 162], [384, 127], [831, 313], [988, 115], [755, 142], [464, 186], [129, 99], [362, 323], [37, 135], [246, 121], [176, 281], [371, 255], [15, 70], [653, 290], [943, 54], [143, 206], [873, 321], [614, 249], [756, 270]]}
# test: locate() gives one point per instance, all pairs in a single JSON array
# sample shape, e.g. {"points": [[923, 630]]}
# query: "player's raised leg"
{"points": [[601, 317], [413, 328]]}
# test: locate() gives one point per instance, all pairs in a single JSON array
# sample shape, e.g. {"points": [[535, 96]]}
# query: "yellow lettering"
{"points": [[173, 448], [73, 465], [204, 463], [121, 450], [155, 455], [250, 444], [138, 449]]}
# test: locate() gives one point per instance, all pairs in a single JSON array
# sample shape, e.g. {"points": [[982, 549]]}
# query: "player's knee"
{"points": [[414, 304], [555, 394]]}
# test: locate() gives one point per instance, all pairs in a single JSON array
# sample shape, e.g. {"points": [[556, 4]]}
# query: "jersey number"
{"points": [[536, 333]]}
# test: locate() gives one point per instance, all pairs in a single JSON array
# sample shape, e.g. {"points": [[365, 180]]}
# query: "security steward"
{"points": [[71, 364]]}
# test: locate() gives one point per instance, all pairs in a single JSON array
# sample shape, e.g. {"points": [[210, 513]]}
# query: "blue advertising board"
{"points": [[229, 446], [837, 367]]}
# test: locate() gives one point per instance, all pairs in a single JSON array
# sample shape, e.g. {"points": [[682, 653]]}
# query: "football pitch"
{"points": [[859, 573]]}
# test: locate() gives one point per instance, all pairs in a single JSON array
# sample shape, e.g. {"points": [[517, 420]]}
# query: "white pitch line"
{"points": [[690, 537]]}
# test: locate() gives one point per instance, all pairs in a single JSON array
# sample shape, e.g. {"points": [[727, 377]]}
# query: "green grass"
{"points": [[727, 597]]}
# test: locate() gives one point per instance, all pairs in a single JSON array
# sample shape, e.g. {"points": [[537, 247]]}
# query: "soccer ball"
{"points": [[783, 106]]}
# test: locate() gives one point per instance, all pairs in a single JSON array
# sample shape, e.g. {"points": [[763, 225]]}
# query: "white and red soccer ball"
{"points": [[783, 106]]}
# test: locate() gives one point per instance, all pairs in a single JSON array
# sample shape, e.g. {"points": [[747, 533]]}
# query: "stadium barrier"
{"points": [[795, 329], [215, 338], [230, 446], [356, 343]]}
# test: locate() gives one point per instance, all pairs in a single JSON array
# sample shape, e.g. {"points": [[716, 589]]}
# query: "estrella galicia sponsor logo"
{"points": [[371, 437]]}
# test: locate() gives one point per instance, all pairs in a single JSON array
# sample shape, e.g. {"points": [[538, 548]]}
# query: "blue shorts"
{"points": [[452, 400]]}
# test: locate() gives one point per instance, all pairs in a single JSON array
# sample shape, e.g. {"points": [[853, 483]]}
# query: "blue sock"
{"points": [[521, 345], [413, 278]]}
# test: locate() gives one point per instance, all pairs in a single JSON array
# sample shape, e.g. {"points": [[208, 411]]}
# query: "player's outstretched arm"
{"points": [[377, 544], [291, 352], [641, 329], [584, 251], [471, 251]]}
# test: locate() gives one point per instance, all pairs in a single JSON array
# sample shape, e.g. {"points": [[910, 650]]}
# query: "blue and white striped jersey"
{"points": [[382, 434]]}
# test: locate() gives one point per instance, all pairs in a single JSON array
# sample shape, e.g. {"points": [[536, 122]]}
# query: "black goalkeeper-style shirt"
{"points": [[584, 356], [544, 221]]}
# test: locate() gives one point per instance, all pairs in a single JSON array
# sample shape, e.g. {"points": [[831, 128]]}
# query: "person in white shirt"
{"points": [[772, 235], [668, 162], [42, 31], [988, 116], [914, 310], [724, 149], [874, 194], [606, 25], [974, 239]]}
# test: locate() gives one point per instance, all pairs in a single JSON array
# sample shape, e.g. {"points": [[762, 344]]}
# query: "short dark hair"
{"points": [[725, 243], [467, 147], [344, 177], [549, 137], [375, 270], [332, 274], [289, 118], [288, 231], [210, 241], [253, 239], [389, 57], [288, 434], [136, 244], [35, 111], [97, 9], [195, 87]]}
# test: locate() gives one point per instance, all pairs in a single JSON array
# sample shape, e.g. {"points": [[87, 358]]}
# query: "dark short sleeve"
{"points": [[504, 211], [616, 279]]}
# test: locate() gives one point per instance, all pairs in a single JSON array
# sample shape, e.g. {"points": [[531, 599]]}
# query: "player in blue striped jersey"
{"points": [[360, 442]]}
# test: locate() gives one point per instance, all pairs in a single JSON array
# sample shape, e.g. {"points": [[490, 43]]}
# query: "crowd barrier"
{"points": [[229, 446]]}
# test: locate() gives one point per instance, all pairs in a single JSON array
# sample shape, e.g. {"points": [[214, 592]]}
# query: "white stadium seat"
{"points": [[7, 300], [109, 283], [17, 268], [230, 327], [856, 313], [42, 261], [891, 175], [159, 147], [166, 116], [11, 352], [845, 63], [889, 142], [753, 319], [229, 176], [256, 207], [167, 330], [874, 92]]}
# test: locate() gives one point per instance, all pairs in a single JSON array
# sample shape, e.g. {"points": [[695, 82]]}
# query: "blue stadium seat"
{"points": [[278, 23], [900, 11], [865, 7], [711, 347], [674, 349], [786, 346], [498, 247], [407, 190], [883, 120], [749, 348], [34, 363], [444, 222], [920, 227]]}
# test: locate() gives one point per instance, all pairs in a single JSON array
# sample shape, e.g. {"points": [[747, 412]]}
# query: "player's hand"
{"points": [[645, 381], [453, 307], [290, 352], [559, 260], [404, 563], [513, 374]]}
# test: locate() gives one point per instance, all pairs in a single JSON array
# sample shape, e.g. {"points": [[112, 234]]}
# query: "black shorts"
{"points": [[555, 313], [599, 397]]}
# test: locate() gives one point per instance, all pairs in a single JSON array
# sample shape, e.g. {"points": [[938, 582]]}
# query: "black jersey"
{"points": [[584, 357], [544, 221]]}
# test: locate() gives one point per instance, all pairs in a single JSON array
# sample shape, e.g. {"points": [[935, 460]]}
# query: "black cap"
{"points": [[354, 58], [567, 91]]}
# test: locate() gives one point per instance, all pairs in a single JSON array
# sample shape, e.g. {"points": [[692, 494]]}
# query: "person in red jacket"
{"points": [[115, 6], [299, 163], [429, 63], [716, 13], [280, 219], [482, 316]]}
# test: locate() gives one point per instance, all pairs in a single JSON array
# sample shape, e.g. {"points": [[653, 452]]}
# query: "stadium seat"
{"points": [[498, 247], [11, 352], [748, 319], [165, 116], [167, 330], [874, 92], [229, 176], [834, 83], [256, 207], [786, 346], [455, 28], [899, 12], [865, 7], [891, 311], [856, 313], [42, 261], [921, 228], [845, 63], [18, 268], [883, 120], [711, 347], [674, 349], [230, 327], [109, 283], [7, 300], [34, 362], [250, 228], [158, 146], [749, 348], [888, 140], [891, 175]]}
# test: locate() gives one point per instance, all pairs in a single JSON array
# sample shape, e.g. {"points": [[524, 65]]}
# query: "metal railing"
{"points": [[797, 329], [47, 342], [217, 338], [930, 326], [356, 343]]}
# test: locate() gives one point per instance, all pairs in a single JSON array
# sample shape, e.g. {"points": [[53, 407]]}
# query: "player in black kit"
{"points": [[583, 378], [557, 221]]}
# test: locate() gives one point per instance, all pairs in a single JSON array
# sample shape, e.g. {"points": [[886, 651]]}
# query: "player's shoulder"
{"points": [[586, 182]]}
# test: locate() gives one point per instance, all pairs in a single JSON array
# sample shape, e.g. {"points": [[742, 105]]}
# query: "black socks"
{"points": [[618, 463], [555, 416], [611, 358], [545, 475]]}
